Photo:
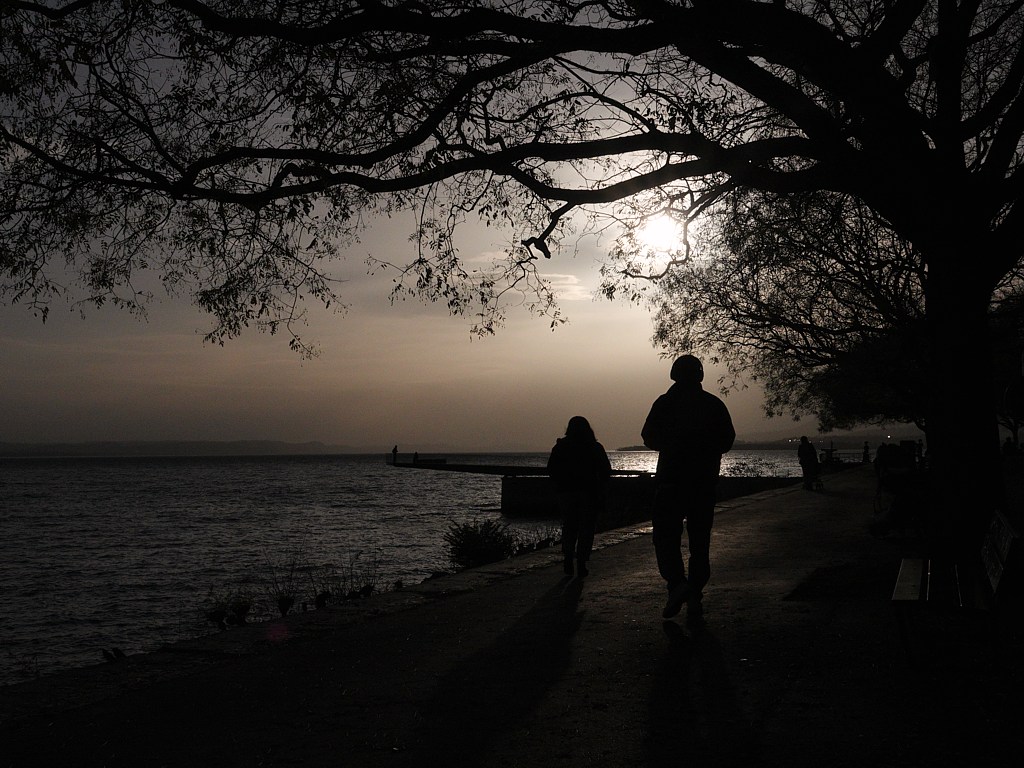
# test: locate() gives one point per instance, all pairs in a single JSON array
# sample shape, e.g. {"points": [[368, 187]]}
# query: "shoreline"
{"points": [[230, 642], [798, 662]]}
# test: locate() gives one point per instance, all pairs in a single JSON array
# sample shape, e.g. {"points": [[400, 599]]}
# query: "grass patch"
{"points": [[480, 542], [290, 584]]}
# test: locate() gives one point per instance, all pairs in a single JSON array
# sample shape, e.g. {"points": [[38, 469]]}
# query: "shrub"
{"points": [[226, 609], [479, 543], [360, 578], [282, 583]]}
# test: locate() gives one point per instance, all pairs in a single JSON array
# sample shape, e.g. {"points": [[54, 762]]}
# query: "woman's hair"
{"points": [[579, 429]]}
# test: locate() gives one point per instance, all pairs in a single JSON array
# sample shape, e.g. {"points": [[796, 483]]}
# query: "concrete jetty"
{"points": [[527, 490], [799, 663]]}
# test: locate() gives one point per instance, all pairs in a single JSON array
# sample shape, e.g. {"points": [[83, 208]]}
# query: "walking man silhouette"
{"points": [[691, 429]]}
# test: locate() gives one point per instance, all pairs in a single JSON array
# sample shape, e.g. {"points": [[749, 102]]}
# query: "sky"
{"points": [[408, 374]]}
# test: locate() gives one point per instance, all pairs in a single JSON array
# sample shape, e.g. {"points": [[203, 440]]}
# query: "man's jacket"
{"points": [[691, 429]]}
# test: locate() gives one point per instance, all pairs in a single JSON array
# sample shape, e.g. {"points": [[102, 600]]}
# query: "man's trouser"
{"points": [[691, 505]]}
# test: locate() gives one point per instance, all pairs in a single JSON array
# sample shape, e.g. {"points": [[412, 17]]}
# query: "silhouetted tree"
{"points": [[229, 145], [816, 298], [809, 294]]}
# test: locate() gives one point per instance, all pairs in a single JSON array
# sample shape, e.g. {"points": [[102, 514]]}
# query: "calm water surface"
{"points": [[102, 553]]}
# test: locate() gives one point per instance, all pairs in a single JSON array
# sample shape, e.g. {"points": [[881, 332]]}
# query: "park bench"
{"points": [[973, 590]]}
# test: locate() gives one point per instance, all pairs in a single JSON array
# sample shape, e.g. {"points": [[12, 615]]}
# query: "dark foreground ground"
{"points": [[798, 664]]}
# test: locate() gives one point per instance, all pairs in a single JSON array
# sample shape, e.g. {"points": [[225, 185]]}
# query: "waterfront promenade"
{"points": [[799, 663]]}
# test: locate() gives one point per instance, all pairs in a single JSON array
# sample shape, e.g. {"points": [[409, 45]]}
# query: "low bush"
{"points": [[480, 542], [226, 609], [359, 578]]}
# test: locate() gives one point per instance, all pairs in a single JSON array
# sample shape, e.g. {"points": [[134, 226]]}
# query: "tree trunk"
{"points": [[963, 435]]}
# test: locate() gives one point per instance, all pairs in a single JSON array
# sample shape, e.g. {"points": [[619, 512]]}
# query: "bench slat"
{"points": [[971, 586], [910, 582]]}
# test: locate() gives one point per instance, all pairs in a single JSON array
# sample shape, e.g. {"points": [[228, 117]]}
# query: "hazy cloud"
{"points": [[569, 287]]}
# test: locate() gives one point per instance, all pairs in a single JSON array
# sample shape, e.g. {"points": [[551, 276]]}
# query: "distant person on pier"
{"points": [[580, 469], [808, 458], [394, 455], [691, 429]]}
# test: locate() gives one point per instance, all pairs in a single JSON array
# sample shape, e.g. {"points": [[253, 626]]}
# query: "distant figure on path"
{"points": [[808, 463], [691, 429], [394, 455], [866, 456], [580, 468]]}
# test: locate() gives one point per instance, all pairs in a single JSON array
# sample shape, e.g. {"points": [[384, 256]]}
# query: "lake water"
{"points": [[102, 553]]}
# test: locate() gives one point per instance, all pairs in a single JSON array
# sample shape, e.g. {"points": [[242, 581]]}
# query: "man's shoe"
{"points": [[676, 597]]}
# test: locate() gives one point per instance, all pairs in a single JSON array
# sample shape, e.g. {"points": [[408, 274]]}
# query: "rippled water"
{"points": [[98, 553]]}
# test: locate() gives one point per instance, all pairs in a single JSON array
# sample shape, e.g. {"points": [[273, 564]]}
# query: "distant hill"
{"points": [[170, 448]]}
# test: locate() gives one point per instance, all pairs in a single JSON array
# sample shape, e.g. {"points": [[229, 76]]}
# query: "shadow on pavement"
{"points": [[693, 707], [492, 692]]}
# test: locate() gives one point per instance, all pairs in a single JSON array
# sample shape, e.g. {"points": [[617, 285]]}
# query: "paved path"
{"points": [[798, 664]]}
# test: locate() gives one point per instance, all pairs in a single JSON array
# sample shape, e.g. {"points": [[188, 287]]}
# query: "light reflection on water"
{"points": [[97, 553]]}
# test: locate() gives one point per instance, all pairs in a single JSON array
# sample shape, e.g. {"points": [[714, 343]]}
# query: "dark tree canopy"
{"points": [[230, 145], [808, 294], [811, 295]]}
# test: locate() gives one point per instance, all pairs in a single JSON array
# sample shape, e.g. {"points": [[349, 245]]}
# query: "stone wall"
{"points": [[629, 497]]}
